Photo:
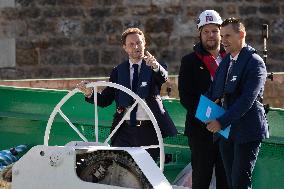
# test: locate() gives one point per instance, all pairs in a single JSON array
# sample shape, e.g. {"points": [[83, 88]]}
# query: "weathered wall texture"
{"points": [[80, 38]]}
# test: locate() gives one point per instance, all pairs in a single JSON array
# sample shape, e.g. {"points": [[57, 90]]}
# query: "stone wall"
{"points": [[80, 38]]}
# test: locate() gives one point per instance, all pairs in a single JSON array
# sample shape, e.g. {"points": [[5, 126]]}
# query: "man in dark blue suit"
{"points": [[143, 75], [239, 85]]}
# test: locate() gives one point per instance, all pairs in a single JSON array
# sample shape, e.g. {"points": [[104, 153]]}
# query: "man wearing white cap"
{"points": [[196, 75]]}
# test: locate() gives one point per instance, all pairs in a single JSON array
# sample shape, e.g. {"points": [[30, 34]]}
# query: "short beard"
{"points": [[210, 47]]}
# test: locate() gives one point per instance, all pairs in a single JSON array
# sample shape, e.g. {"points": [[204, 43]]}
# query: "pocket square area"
{"points": [[143, 84]]}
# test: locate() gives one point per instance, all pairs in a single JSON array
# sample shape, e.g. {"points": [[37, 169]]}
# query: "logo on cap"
{"points": [[209, 18]]}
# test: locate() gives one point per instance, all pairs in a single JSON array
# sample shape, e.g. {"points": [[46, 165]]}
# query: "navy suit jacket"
{"points": [[243, 94], [150, 92]]}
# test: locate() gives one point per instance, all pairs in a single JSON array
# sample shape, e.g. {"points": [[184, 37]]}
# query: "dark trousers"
{"points": [[239, 161], [134, 136], [205, 156]]}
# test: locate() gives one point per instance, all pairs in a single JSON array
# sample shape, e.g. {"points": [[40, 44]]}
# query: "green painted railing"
{"points": [[24, 113]]}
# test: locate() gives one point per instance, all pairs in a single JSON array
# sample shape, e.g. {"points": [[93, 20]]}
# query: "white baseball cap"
{"points": [[209, 17]]}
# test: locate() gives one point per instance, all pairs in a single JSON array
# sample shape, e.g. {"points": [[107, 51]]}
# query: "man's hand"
{"points": [[213, 126], [151, 60], [82, 87]]}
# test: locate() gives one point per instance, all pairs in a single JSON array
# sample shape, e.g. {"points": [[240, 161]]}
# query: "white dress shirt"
{"points": [[141, 113]]}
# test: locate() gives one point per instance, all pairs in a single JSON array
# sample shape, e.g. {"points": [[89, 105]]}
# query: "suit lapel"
{"points": [[220, 77], [126, 75], [145, 72], [144, 80], [237, 70]]}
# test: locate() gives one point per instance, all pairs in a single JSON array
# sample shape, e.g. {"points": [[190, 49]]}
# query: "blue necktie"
{"points": [[232, 62], [230, 68], [134, 89]]}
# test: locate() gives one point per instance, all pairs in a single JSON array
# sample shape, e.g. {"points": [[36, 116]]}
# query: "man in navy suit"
{"points": [[144, 75], [239, 85]]}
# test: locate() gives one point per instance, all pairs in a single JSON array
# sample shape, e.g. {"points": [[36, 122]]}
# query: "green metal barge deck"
{"points": [[24, 113]]}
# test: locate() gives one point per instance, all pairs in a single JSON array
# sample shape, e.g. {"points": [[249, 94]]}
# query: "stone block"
{"points": [[69, 28], [44, 43], [29, 12], [98, 13], [46, 2], [132, 23], [137, 2], [246, 10], [55, 42], [174, 41], [66, 3], [73, 11], [113, 39], [119, 11], [111, 57], [9, 13], [51, 12], [27, 57], [112, 26], [277, 26], [224, 1], [44, 72], [7, 3], [173, 10], [13, 29], [91, 26], [88, 41], [66, 71], [91, 56], [193, 11], [269, 10], [24, 44], [88, 3], [25, 3], [145, 10], [254, 37], [254, 23], [40, 26], [160, 41], [188, 41], [107, 2], [169, 56], [7, 51], [60, 57], [101, 71], [166, 2], [231, 9], [8, 73], [217, 8], [157, 25], [275, 39], [277, 53]]}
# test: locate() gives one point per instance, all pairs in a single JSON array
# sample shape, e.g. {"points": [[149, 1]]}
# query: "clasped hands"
{"points": [[213, 125]]}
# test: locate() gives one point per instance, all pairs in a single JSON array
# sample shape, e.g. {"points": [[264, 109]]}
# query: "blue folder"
{"points": [[208, 110]]}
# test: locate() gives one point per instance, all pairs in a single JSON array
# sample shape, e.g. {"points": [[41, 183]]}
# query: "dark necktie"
{"points": [[134, 89], [230, 70]]}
